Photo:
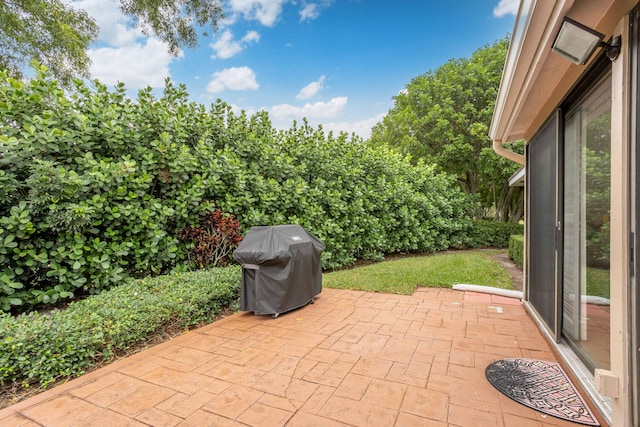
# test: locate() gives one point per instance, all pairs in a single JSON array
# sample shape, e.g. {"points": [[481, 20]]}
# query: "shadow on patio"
{"points": [[352, 358]]}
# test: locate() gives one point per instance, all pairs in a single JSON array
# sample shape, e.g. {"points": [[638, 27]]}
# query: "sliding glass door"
{"points": [[587, 197]]}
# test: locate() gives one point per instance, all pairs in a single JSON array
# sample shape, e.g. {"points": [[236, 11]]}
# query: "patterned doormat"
{"points": [[542, 386]]}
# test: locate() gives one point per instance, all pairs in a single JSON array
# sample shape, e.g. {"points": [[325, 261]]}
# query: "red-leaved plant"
{"points": [[214, 241]]}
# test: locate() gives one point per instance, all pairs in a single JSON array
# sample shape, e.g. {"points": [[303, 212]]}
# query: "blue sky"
{"points": [[337, 62]]}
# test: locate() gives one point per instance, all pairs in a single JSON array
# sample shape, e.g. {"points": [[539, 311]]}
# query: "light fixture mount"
{"points": [[577, 42], [612, 48]]}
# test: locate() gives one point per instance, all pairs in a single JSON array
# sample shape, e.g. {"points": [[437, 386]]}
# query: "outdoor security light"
{"points": [[576, 42]]}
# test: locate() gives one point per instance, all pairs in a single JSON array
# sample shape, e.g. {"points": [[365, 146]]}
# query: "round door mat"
{"points": [[542, 386]]}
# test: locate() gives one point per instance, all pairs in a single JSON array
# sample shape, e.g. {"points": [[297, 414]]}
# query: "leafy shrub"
{"points": [[82, 208], [36, 349], [361, 201], [492, 234], [94, 187], [214, 241], [516, 249]]}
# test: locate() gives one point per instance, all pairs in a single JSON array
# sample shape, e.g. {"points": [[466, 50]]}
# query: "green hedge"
{"points": [[492, 234], [516, 249], [94, 186], [37, 349]]}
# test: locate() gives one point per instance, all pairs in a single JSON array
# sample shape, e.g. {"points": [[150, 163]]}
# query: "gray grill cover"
{"points": [[281, 268]]}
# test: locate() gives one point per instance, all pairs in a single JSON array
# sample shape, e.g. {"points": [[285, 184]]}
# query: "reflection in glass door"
{"points": [[587, 196]]}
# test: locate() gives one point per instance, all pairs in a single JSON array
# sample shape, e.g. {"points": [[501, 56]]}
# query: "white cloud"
{"points": [[317, 110], [235, 78], [237, 110], [115, 27], [226, 47], [309, 11], [360, 127], [266, 12], [251, 36], [136, 65], [126, 55], [506, 7], [310, 90]]}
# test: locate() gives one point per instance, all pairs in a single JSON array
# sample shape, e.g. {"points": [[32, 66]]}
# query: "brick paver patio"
{"points": [[352, 358]]}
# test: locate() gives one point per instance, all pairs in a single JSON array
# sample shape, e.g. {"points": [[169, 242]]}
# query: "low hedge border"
{"points": [[516, 249], [38, 349], [492, 234]]}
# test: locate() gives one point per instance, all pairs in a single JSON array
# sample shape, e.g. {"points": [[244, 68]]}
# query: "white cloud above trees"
{"points": [[124, 54], [115, 27], [311, 10], [226, 47], [506, 7], [317, 110], [137, 65], [266, 12], [234, 78], [359, 127], [312, 89]]}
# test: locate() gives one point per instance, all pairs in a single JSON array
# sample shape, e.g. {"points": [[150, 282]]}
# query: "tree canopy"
{"points": [[443, 116], [47, 31], [175, 22], [54, 33]]}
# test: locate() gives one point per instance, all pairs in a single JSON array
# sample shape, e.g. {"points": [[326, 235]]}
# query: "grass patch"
{"points": [[598, 282], [403, 276]]}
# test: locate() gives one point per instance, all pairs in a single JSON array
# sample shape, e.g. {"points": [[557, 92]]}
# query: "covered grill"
{"points": [[281, 269]]}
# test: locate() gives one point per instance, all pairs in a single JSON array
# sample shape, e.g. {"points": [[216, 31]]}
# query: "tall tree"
{"points": [[444, 115], [57, 35], [47, 31]]}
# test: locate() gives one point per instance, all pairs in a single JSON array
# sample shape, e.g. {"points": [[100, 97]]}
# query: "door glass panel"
{"points": [[587, 198]]}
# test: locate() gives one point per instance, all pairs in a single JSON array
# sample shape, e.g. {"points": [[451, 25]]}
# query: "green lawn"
{"points": [[403, 276], [598, 282]]}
